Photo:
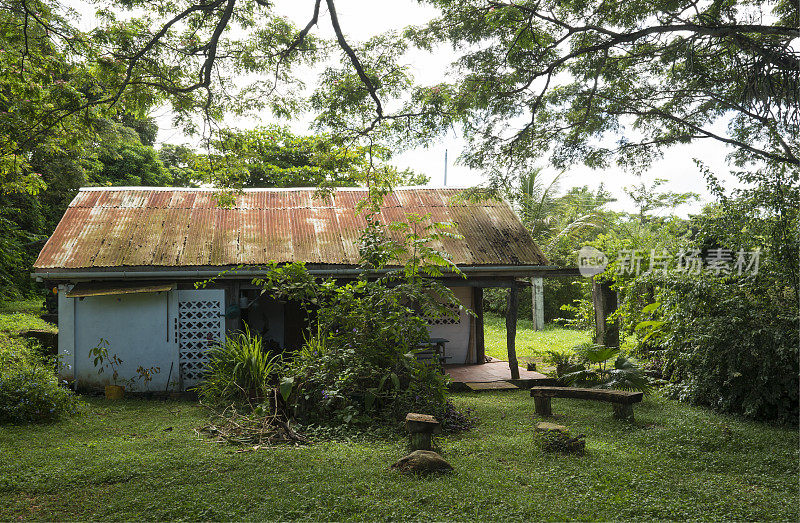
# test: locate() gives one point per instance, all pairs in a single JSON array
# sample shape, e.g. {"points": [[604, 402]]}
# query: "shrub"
{"points": [[239, 370], [358, 364], [605, 368], [731, 344], [29, 389]]}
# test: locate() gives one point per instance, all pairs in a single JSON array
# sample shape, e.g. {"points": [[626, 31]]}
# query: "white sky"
{"points": [[361, 19]]}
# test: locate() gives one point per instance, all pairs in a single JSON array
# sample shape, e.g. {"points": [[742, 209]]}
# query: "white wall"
{"points": [[139, 330], [458, 347]]}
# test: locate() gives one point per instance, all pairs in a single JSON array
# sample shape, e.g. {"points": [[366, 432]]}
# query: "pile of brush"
{"points": [[255, 429]]}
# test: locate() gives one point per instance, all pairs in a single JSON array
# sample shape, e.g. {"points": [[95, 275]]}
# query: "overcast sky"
{"points": [[361, 19]]}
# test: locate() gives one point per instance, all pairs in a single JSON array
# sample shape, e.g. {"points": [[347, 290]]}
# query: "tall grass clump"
{"points": [[240, 370]]}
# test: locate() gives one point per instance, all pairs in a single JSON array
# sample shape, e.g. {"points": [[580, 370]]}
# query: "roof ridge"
{"points": [[260, 189]]}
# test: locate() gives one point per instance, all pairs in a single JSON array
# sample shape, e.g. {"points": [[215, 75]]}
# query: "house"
{"points": [[125, 260]]}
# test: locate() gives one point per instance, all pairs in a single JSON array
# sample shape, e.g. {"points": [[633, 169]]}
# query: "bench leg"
{"points": [[623, 412], [542, 405]]}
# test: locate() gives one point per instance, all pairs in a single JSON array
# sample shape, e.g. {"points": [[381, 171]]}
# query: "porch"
{"points": [[493, 374]]}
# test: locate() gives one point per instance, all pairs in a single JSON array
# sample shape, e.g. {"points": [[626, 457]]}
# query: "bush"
{"points": [[728, 343], [358, 365], [605, 368], [29, 389], [239, 370]]}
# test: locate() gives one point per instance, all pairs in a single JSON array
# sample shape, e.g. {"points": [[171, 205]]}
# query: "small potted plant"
{"points": [[101, 359]]}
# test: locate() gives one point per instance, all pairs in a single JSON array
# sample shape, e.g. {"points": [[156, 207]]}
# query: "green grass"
{"points": [[530, 344], [120, 461], [32, 306], [17, 316]]}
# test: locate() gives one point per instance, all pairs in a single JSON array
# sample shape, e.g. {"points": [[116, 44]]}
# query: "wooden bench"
{"points": [[621, 400], [433, 350]]}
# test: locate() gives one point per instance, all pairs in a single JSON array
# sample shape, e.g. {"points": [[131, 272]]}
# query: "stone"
{"points": [[623, 412], [543, 426], [422, 462], [490, 385], [556, 438], [421, 422], [420, 429], [541, 405]]}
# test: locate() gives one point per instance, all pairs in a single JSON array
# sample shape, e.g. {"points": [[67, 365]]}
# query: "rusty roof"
{"points": [[169, 227]]}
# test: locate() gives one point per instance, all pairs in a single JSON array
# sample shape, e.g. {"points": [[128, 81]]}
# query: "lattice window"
{"points": [[447, 319], [200, 323]]}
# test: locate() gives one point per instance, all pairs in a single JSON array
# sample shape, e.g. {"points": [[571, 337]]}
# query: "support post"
{"points": [[537, 303], [480, 344], [511, 329], [420, 429], [542, 406], [623, 411], [605, 303]]}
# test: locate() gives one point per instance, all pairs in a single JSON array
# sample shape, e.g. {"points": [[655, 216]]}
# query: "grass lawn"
{"points": [[530, 344], [141, 459], [16, 316]]}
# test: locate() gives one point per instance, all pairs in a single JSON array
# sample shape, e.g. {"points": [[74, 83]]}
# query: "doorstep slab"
{"points": [[491, 385]]}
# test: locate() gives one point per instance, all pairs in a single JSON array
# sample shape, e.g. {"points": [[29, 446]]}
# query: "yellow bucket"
{"points": [[114, 392]]}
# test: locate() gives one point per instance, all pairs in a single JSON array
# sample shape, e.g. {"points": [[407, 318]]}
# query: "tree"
{"points": [[649, 198], [275, 157], [597, 81], [180, 161], [129, 164]]}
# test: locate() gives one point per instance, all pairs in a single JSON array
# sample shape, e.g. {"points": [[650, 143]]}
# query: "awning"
{"points": [[84, 289]]}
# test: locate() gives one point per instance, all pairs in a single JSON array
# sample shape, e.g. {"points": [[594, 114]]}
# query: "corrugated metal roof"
{"points": [[165, 227]]}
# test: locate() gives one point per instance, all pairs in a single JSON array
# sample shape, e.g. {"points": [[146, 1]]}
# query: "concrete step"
{"points": [[479, 386]]}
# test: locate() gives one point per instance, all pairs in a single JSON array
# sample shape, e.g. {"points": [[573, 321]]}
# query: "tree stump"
{"points": [[420, 429]]}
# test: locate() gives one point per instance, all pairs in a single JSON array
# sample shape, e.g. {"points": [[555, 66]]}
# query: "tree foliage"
{"points": [[597, 81], [275, 157]]}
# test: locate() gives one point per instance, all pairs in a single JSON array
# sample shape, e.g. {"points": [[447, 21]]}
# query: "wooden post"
{"points": [[605, 303], [480, 344], [537, 303], [511, 329]]}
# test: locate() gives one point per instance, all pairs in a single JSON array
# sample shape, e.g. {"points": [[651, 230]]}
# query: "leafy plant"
{"points": [[102, 360], [239, 370], [731, 344], [145, 375], [562, 361], [600, 372], [29, 390], [357, 365]]}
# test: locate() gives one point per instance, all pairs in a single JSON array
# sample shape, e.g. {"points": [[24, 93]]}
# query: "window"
{"points": [[447, 319]]}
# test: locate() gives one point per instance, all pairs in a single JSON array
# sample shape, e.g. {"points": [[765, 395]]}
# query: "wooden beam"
{"points": [[511, 330], [480, 343]]}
